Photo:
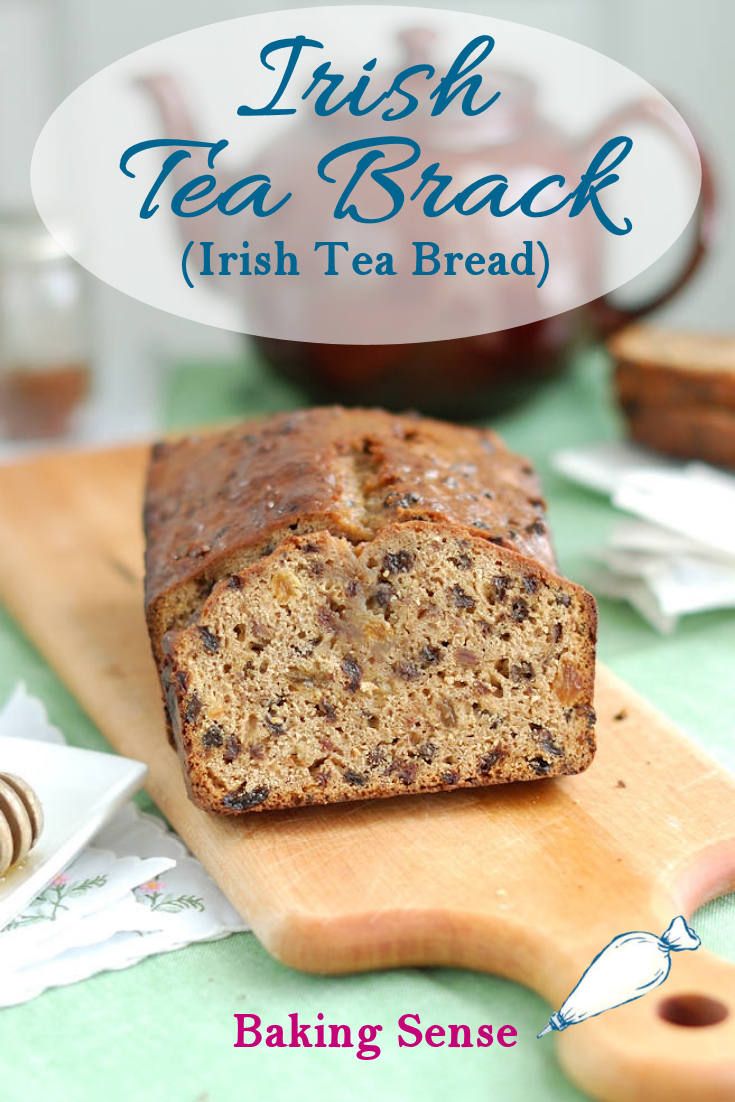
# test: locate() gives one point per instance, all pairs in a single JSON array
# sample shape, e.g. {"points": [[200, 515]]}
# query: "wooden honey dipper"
{"points": [[21, 820]]}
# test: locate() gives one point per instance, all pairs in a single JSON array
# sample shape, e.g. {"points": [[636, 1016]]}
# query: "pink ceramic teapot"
{"points": [[473, 376]]}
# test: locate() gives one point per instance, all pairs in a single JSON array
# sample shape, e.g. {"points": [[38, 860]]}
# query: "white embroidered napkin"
{"points": [[133, 892], [79, 790], [91, 887], [678, 556]]}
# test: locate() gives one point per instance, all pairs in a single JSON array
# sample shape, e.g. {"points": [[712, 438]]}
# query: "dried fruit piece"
{"points": [[569, 683], [320, 647]]}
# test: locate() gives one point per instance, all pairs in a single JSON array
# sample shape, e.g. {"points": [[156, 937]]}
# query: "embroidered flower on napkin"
{"points": [[133, 892]]}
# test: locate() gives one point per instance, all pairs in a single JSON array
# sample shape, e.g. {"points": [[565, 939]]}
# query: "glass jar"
{"points": [[44, 361]]}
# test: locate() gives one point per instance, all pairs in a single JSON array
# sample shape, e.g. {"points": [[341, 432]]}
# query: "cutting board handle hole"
{"points": [[692, 1010]]}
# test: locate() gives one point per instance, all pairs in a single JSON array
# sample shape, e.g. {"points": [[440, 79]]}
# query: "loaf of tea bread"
{"points": [[677, 391], [346, 604]]}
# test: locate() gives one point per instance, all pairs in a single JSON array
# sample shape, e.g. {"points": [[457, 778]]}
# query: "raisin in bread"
{"points": [[677, 391], [350, 604]]}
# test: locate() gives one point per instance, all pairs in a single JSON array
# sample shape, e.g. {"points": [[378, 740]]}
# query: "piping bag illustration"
{"points": [[630, 966]]}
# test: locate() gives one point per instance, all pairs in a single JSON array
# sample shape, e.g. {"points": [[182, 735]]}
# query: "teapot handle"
{"points": [[607, 317]]}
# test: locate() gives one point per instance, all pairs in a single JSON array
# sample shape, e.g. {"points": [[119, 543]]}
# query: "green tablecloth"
{"points": [[164, 1029]]}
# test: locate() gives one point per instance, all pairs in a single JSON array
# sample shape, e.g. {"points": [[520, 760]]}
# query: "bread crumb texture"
{"points": [[381, 650]]}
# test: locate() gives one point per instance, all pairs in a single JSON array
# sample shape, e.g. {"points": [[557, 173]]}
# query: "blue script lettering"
{"points": [[468, 58], [374, 178], [327, 88], [250, 191], [380, 175], [295, 46], [599, 176]]}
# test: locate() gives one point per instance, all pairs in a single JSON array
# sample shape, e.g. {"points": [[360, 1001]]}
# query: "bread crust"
{"points": [[217, 502], [355, 491], [677, 392]]}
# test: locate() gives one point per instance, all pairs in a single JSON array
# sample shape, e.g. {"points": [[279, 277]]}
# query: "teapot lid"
{"points": [[510, 115], [512, 110]]}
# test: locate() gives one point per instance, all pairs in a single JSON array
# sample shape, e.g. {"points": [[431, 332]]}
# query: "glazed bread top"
{"points": [[217, 503], [698, 351], [660, 370]]}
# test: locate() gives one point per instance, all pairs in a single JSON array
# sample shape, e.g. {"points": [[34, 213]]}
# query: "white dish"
{"points": [[79, 791]]}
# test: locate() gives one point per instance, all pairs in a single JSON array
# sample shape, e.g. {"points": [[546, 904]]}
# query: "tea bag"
{"points": [[630, 966], [603, 467], [675, 555], [681, 583], [697, 502]]}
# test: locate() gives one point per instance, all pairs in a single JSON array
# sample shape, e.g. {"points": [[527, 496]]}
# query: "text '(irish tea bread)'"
{"points": [[349, 604]]}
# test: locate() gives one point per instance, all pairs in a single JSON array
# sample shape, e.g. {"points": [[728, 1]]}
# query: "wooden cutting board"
{"points": [[527, 881]]}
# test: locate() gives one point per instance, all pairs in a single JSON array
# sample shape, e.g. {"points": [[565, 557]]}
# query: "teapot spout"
{"points": [[164, 91]]}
